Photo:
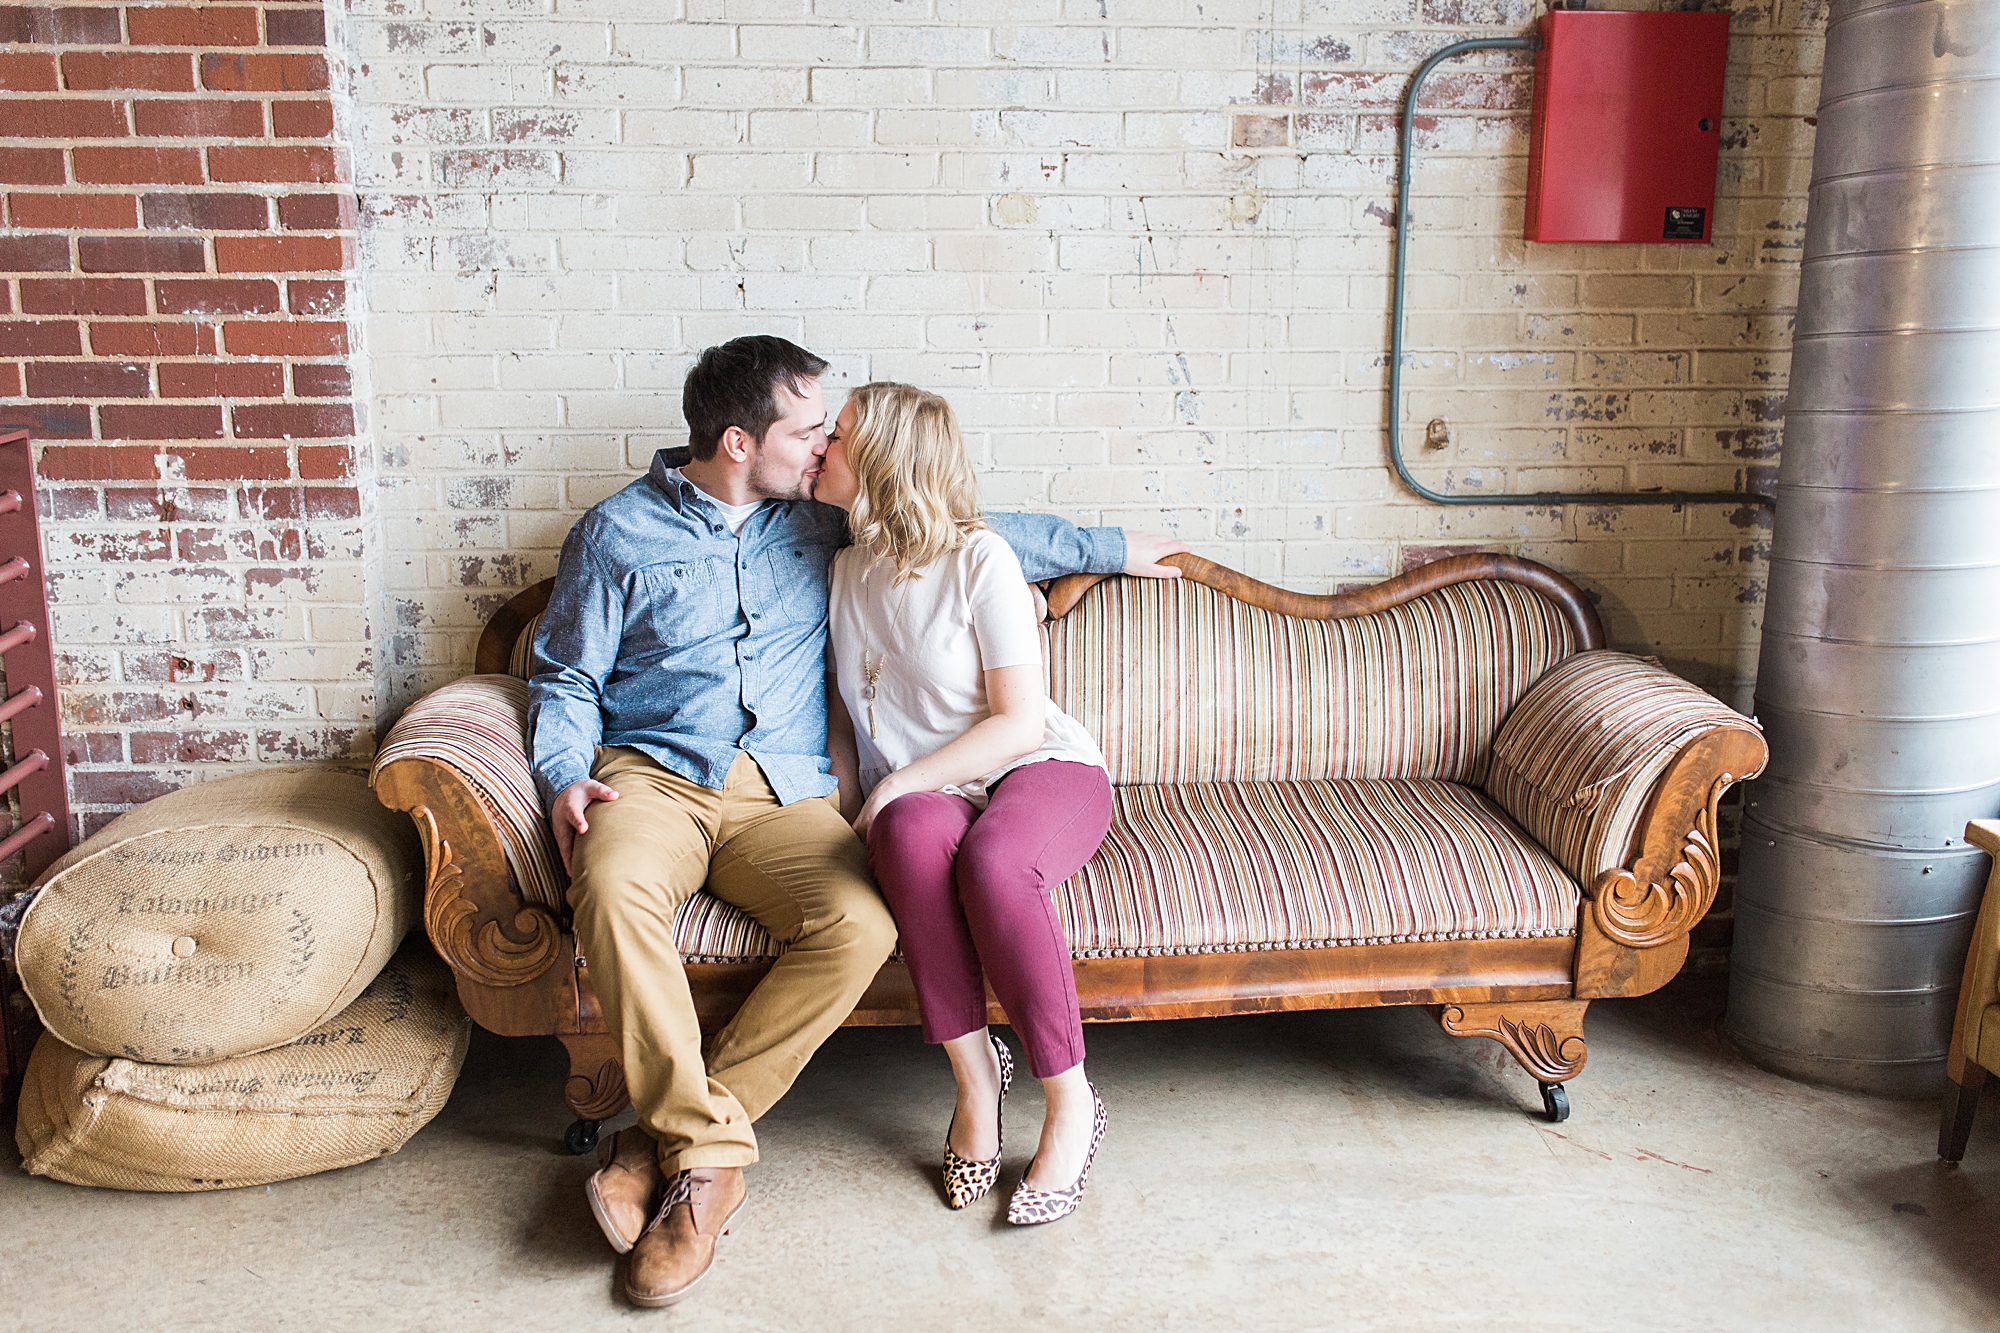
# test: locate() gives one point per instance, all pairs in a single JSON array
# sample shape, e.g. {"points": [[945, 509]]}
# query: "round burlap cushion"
{"points": [[356, 1088], [221, 919]]}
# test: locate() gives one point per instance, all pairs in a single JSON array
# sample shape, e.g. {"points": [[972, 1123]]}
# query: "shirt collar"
{"points": [[664, 473]]}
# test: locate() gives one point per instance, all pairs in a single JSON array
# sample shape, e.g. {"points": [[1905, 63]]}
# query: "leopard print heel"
{"points": [[1032, 1207], [967, 1182]]}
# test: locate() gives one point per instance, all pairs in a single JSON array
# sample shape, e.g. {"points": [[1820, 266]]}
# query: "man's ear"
{"points": [[737, 444]]}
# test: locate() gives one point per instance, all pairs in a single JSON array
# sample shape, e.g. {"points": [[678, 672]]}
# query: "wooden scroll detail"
{"points": [[1066, 592], [484, 953], [503, 949], [1633, 935], [595, 1089], [1546, 1037], [1647, 915]]}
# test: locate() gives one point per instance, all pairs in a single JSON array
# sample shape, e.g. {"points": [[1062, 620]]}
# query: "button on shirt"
{"points": [[671, 635]]}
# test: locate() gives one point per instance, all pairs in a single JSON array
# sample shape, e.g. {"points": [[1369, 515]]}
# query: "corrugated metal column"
{"points": [[1879, 683]]}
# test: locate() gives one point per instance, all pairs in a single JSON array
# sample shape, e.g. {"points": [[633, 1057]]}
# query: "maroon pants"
{"points": [[972, 890]]}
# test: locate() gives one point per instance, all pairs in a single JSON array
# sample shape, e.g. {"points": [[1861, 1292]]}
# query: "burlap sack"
{"points": [[221, 919], [354, 1089]]}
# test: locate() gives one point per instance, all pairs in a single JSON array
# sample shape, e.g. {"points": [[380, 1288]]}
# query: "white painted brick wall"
{"points": [[1034, 206]]}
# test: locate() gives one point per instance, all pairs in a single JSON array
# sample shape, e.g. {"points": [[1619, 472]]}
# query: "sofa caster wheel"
{"points": [[581, 1136], [1555, 1103]]}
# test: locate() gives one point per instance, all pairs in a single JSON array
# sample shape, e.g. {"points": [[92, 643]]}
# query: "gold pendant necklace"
{"points": [[871, 667], [869, 675]]}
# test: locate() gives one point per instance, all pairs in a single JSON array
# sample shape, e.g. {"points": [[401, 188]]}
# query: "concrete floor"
{"points": [[1333, 1170]]}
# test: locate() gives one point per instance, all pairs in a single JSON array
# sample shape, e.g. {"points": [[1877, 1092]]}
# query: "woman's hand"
{"points": [[1019, 705], [1019, 711], [887, 790]]}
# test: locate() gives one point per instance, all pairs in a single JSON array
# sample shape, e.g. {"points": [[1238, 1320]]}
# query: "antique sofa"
{"points": [[1440, 790], [1974, 1053]]}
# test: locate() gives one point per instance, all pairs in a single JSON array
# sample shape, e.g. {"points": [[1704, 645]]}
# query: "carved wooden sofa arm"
{"points": [[494, 886], [1617, 767]]}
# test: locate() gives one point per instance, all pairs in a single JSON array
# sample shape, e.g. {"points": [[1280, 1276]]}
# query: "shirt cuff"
{"points": [[551, 781], [1104, 550]]}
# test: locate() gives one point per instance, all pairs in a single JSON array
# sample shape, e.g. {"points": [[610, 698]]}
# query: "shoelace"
{"points": [[680, 1189]]}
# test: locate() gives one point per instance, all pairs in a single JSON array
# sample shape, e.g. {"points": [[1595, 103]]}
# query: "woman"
{"points": [[976, 794]]}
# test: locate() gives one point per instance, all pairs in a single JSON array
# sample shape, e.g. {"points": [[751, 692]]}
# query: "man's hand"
{"points": [[1144, 551], [566, 817]]}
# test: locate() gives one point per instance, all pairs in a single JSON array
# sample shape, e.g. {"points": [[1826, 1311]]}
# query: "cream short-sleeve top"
{"points": [[935, 635]]}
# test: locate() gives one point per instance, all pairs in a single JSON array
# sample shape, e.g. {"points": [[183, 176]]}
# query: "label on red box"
{"points": [[1684, 224]]}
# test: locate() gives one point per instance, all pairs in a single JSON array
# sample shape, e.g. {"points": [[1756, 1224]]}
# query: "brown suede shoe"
{"points": [[679, 1248], [624, 1191]]}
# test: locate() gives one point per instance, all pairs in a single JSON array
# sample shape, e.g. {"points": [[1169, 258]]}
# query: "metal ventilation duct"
{"points": [[1879, 682]]}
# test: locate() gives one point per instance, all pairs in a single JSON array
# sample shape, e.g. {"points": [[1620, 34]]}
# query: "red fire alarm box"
{"points": [[1627, 125]]}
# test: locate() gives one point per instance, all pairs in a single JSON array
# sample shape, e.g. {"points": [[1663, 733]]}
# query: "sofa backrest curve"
{"points": [[1470, 567], [1201, 679], [1219, 677]]}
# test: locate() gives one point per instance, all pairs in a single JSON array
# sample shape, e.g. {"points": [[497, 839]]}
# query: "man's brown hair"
{"points": [[736, 384]]}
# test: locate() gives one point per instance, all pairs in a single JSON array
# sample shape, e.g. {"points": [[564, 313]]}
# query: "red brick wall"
{"points": [[173, 328]]}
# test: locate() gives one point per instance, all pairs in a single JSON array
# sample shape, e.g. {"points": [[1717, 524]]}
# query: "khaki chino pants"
{"points": [[797, 869]]}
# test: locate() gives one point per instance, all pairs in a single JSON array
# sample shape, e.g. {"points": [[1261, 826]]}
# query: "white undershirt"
{"points": [[935, 637], [734, 515]]}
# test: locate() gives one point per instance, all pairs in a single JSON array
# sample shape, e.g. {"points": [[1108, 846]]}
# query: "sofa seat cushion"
{"points": [[1218, 866], [1212, 867]]}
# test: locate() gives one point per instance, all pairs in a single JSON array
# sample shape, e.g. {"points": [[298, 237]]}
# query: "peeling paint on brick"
{"points": [[150, 507], [1146, 258]]}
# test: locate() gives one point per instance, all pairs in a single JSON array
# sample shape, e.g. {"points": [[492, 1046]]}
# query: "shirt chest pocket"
{"points": [[798, 579], [686, 601]]}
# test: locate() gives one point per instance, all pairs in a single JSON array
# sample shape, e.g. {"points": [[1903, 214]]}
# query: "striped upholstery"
{"points": [[1187, 868], [1282, 782], [476, 726], [1214, 867], [709, 930], [520, 658], [1577, 759], [1181, 683], [1228, 867]]}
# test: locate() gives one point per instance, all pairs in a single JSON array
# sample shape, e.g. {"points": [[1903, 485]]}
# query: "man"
{"points": [[677, 724]]}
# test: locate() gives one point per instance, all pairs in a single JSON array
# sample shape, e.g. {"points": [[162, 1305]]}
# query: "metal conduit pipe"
{"points": [[1879, 681], [1397, 285]]}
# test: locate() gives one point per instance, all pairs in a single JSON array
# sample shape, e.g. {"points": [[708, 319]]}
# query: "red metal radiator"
{"points": [[33, 763]]}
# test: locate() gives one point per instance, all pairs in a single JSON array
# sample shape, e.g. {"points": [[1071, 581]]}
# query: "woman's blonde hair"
{"points": [[919, 499]]}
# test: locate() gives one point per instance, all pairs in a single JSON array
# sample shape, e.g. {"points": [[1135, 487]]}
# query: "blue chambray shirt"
{"points": [[668, 634]]}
